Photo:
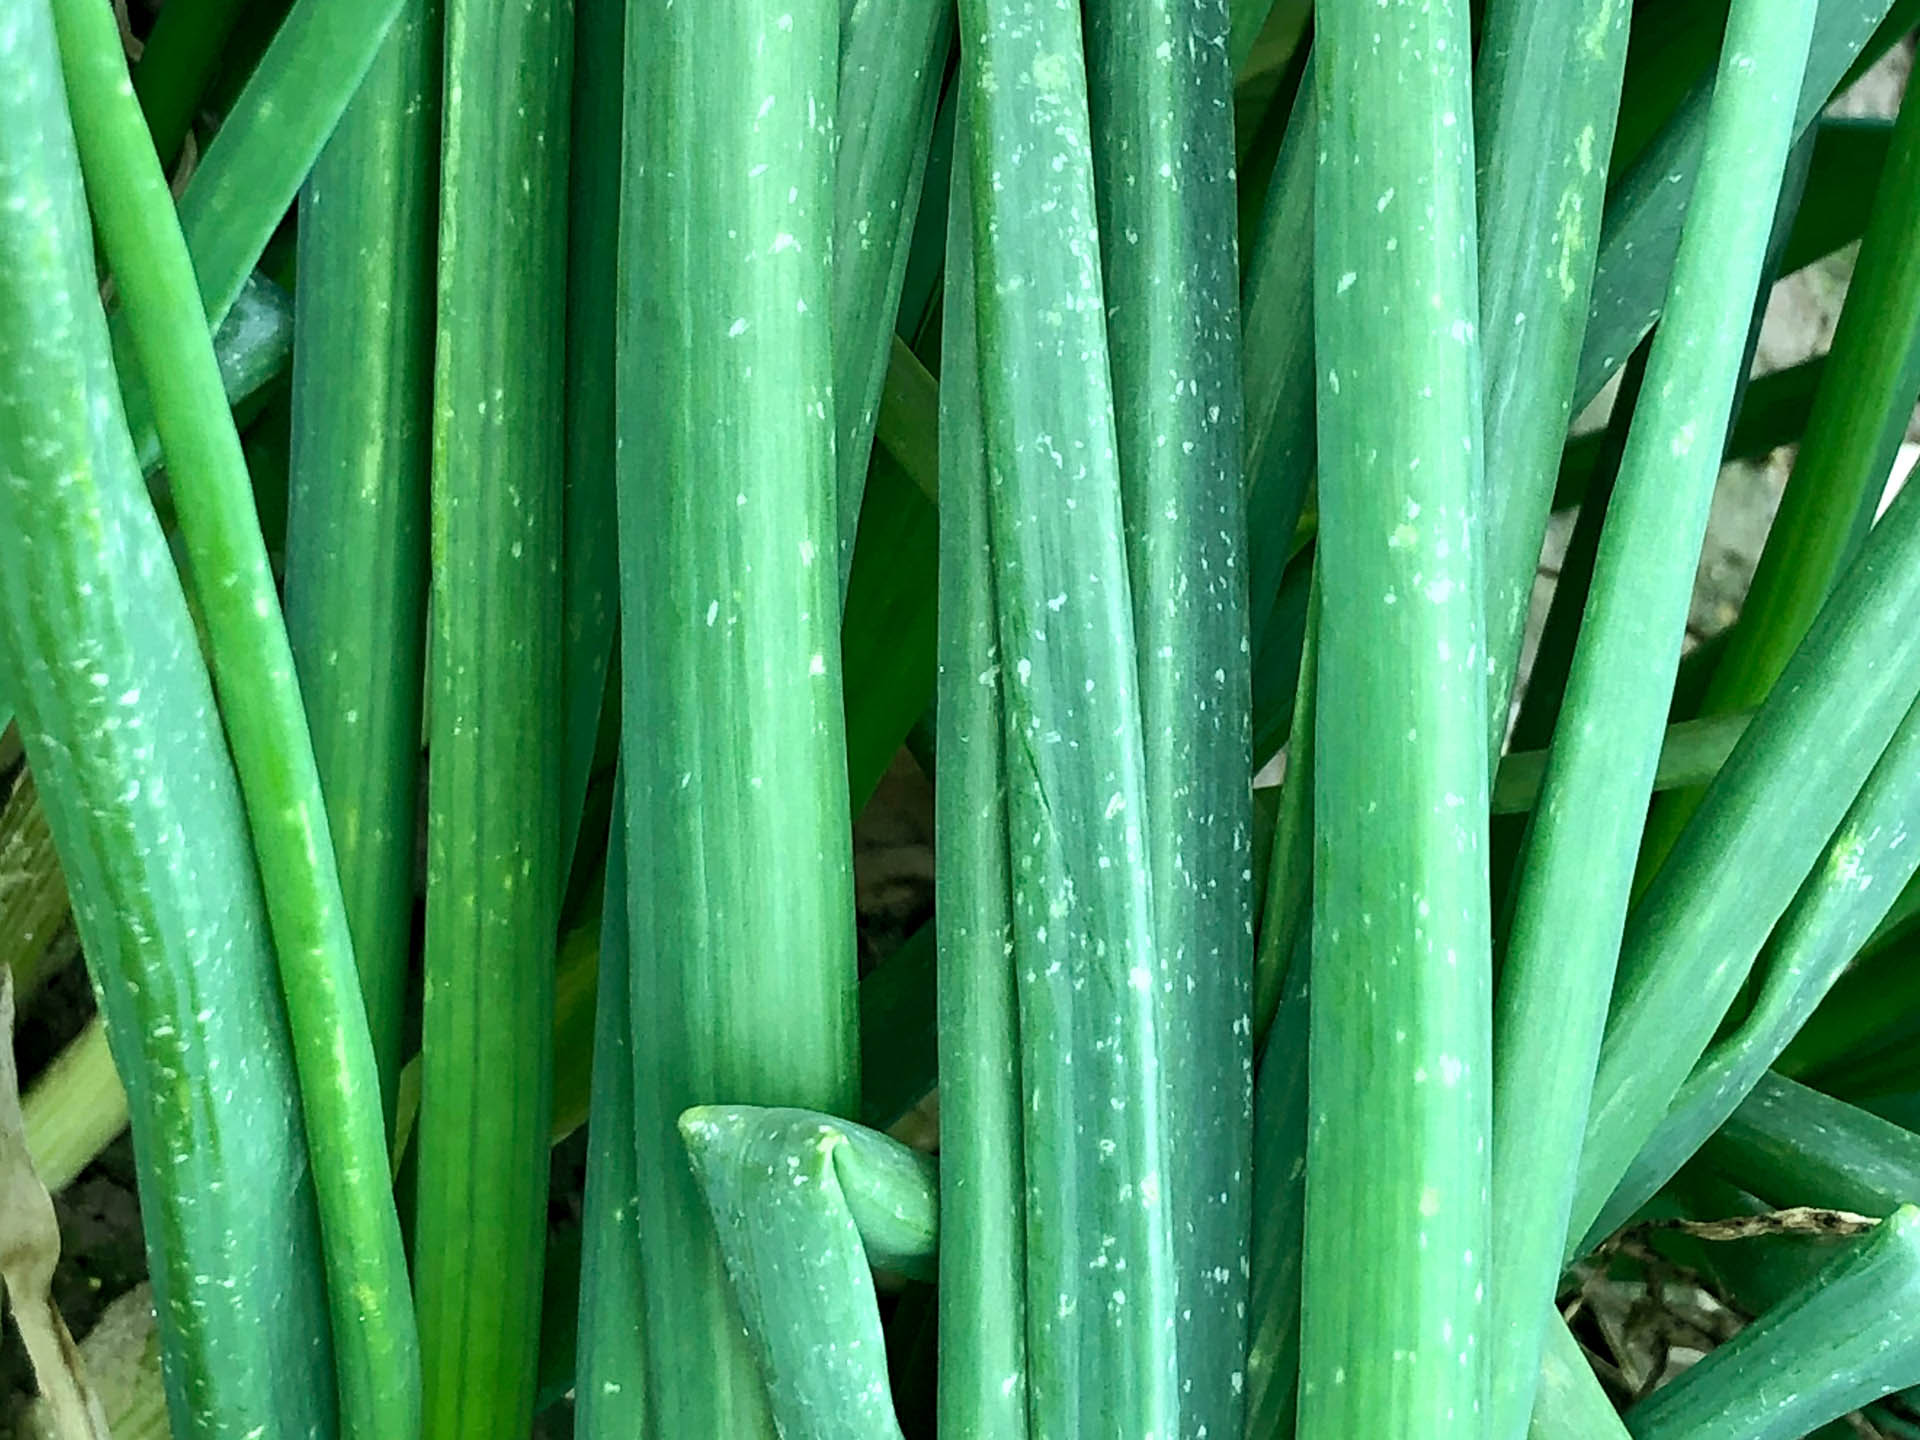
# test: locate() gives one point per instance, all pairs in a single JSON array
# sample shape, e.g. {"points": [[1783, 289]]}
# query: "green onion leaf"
{"points": [[1392, 1285]]}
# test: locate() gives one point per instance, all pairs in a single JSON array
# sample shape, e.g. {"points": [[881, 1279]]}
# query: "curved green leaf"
{"points": [[147, 815], [1791, 1145], [1851, 887], [1846, 1337], [375, 1347], [806, 1207]]}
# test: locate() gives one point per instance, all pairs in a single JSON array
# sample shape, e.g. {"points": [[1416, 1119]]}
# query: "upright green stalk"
{"points": [[1161, 101], [356, 588], [1101, 1284], [99, 654], [1860, 415], [1634, 261], [1393, 1274], [153, 273], [1844, 1338], [1546, 99], [983, 1273], [893, 57], [493, 797], [1577, 868], [740, 896]]}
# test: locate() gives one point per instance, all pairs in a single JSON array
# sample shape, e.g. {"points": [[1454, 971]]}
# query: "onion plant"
{"points": [[687, 413]]}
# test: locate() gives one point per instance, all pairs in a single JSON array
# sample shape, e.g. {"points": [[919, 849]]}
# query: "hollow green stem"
{"points": [[1392, 1284], [1160, 93], [494, 781], [373, 1325], [740, 891], [356, 587], [1576, 874], [983, 1272]]}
